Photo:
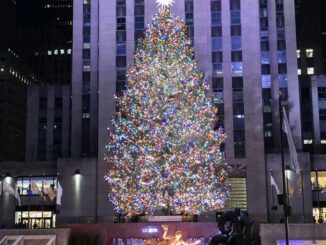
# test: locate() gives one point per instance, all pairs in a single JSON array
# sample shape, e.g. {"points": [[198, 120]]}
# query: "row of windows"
{"points": [[30, 185], [85, 86]]}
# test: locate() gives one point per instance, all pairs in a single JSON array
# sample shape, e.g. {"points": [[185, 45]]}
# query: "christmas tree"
{"points": [[163, 150]]}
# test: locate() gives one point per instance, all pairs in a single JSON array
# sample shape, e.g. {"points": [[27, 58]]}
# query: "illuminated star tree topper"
{"points": [[163, 151], [164, 3]]}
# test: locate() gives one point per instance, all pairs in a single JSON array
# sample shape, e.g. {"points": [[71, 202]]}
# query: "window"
{"points": [[299, 71], [322, 114], [216, 31], [215, 5], [309, 53], [236, 56], [266, 81], [216, 44], [217, 84], [265, 57], [235, 17], [234, 4], [121, 36], [239, 150], [298, 53], [264, 45], [322, 93], [282, 69], [310, 70], [121, 49], [283, 81], [281, 56], [216, 19], [236, 68], [58, 103], [121, 23], [236, 43], [236, 30], [43, 103], [217, 57], [121, 61], [238, 193]]}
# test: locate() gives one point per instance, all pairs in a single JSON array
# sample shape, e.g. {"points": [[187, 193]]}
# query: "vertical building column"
{"points": [[65, 120], [8, 204], [32, 123], [50, 122], [107, 89], [76, 83], [315, 109], [252, 93]]}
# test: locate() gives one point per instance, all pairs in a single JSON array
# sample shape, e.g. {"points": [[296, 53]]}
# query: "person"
{"points": [[231, 232], [35, 225], [176, 239]]}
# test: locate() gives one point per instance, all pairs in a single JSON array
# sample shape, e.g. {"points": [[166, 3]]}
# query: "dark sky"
{"points": [[30, 11]]}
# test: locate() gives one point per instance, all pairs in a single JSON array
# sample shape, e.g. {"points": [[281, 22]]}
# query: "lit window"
{"points": [[2, 69], [266, 81], [62, 51], [68, 51], [236, 68], [49, 52], [309, 53], [86, 46], [298, 53], [299, 71], [36, 53], [55, 52], [86, 68], [86, 115], [307, 141], [310, 71]]}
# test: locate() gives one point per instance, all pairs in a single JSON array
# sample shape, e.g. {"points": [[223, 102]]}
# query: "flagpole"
{"points": [[285, 204], [302, 195]]}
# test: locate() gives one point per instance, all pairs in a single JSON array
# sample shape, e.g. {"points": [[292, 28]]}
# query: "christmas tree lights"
{"points": [[163, 151]]}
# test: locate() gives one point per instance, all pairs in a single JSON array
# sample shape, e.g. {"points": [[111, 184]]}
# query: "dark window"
{"points": [[43, 103], [235, 17], [265, 69], [234, 4], [58, 103], [281, 45], [282, 68], [322, 93], [217, 84], [217, 57], [264, 45], [121, 23], [216, 31], [121, 36], [121, 61], [215, 5], [236, 56], [236, 30]]}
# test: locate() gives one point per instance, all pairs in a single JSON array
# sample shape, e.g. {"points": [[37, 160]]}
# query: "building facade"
{"points": [[247, 51], [245, 48]]}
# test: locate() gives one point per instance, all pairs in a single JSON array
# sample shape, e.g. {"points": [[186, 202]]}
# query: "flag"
{"points": [[47, 190], [273, 183], [290, 187], [293, 152], [36, 189], [17, 196], [50, 192], [59, 193], [6, 187]]}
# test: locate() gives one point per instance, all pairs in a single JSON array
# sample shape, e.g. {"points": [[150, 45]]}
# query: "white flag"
{"points": [[59, 193], [17, 196], [9, 189], [273, 183], [293, 152]]}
